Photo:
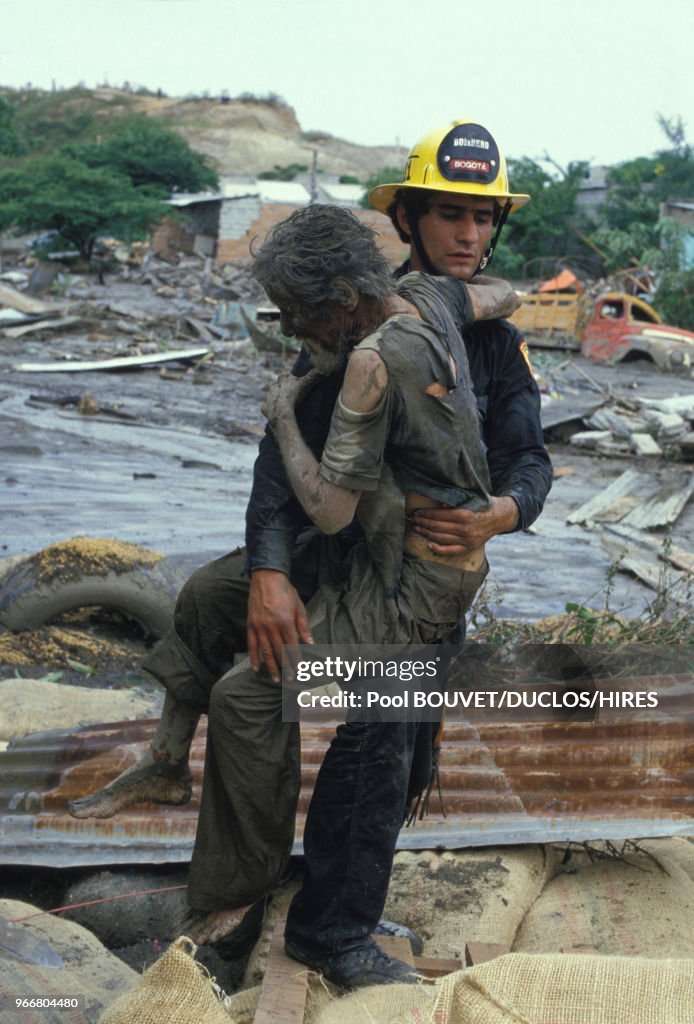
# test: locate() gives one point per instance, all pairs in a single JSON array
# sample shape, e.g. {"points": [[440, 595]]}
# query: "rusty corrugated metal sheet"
{"points": [[505, 781]]}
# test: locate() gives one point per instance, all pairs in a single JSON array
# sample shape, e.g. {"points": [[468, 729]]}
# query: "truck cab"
{"points": [[622, 327]]}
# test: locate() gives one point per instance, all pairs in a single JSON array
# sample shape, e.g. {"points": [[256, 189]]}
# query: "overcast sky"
{"points": [[579, 80]]}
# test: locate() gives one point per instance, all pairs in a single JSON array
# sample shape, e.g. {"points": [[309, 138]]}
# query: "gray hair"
{"points": [[302, 256]]}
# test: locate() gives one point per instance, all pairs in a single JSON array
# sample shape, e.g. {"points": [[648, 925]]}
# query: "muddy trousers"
{"points": [[252, 767], [247, 815]]}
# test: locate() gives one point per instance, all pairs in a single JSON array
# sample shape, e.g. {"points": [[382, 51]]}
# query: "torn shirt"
{"points": [[431, 442], [508, 403]]}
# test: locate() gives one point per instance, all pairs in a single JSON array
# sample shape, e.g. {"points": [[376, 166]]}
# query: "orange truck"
{"points": [[615, 328]]}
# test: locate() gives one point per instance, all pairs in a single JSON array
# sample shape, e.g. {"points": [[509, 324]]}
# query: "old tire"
{"points": [[143, 588]]}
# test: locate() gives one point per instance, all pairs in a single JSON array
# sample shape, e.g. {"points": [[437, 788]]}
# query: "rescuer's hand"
{"points": [[492, 298], [276, 616], [453, 531]]}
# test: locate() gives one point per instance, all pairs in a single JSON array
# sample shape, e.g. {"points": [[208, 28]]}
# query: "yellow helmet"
{"points": [[463, 158]]}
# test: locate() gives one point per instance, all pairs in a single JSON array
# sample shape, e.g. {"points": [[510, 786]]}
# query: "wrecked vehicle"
{"points": [[616, 328]]}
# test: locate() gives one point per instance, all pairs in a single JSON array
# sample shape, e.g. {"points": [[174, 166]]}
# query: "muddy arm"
{"points": [[492, 298], [329, 505]]}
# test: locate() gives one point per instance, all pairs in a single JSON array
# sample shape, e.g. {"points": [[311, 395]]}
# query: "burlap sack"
{"points": [[174, 990], [241, 1006], [89, 971], [643, 906], [452, 897], [525, 989]]}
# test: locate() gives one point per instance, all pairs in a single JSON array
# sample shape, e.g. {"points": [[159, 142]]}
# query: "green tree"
{"points": [[674, 297], [660, 248], [629, 246], [11, 141], [546, 226], [151, 156], [636, 188], [630, 194], [636, 236], [79, 202], [506, 262]]}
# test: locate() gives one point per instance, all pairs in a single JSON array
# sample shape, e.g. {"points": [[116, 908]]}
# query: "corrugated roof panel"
{"points": [[624, 775], [268, 191], [191, 198], [341, 193]]}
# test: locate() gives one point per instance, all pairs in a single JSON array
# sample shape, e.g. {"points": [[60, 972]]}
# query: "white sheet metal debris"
{"points": [[119, 363]]}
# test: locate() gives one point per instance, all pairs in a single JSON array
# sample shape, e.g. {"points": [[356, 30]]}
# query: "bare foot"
{"points": [[206, 928], [160, 784]]}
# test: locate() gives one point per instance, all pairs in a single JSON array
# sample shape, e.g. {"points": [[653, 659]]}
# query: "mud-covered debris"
{"points": [[24, 303], [59, 647], [88, 405], [70, 559]]}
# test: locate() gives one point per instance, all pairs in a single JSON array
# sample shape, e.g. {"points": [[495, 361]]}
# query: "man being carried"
{"points": [[255, 600], [404, 435]]}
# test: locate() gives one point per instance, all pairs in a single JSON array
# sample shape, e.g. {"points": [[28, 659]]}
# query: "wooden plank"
{"points": [[663, 508], [436, 967], [397, 946], [283, 995], [677, 556], [15, 299], [600, 505], [42, 325], [480, 952]]}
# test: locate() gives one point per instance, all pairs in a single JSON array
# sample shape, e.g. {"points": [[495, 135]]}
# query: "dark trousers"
{"points": [[252, 764], [356, 813]]}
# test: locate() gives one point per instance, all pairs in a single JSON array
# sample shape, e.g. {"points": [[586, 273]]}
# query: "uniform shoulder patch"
{"points": [[524, 351]]}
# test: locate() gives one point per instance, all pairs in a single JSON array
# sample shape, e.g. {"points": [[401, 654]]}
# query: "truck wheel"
{"points": [[87, 571]]}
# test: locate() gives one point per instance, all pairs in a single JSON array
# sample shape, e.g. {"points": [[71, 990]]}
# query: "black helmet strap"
{"points": [[416, 234], [487, 258]]}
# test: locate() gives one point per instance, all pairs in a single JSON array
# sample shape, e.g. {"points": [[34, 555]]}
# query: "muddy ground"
{"points": [[163, 456]]}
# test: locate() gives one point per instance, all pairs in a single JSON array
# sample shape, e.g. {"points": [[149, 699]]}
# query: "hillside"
{"points": [[241, 136]]}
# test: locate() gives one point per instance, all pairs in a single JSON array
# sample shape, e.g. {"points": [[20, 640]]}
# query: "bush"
{"points": [[674, 298]]}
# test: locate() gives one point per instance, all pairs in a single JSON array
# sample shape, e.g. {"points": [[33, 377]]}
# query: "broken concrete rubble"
{"points": [[589, 438], [644, 444], [619, 424]]}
